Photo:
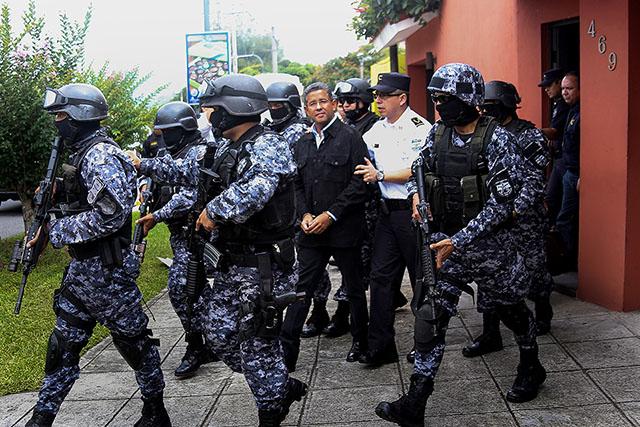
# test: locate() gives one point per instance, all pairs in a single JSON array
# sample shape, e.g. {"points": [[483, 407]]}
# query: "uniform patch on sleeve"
{"points": [[416, 121], [95, 190], [502, 187]]}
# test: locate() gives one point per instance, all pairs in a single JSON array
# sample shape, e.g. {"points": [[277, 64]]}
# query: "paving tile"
{"points": [[107, 361], [238, 385], [561, 389], [606, 354], [240, 410], [631, 320], [564, 307], [578, 416], [552, 356], [470, 317], [108, 385], [334, 348], [88, 412], [632, 411], [621, 384], [465, 397], [183, 411], [341, 374], [507, 336], [207, 382], [590, 328], [494, 419], [13, 407], [346, 405]]}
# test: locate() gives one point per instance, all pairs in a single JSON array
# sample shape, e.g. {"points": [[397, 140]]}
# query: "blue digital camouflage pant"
{"points": [[503, 281], [532, 239], [178, 281], [111, 298], [223, 317]]}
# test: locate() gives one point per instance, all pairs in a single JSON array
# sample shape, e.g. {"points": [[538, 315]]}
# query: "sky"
{"points": [[151, 34]]}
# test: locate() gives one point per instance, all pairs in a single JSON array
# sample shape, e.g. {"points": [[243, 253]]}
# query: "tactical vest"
{"points": [[274, 222], [533, 151], [72, 199], [457, 187]]}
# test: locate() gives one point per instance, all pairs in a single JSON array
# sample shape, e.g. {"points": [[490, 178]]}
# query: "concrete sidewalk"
{"points": [[592, 357]]}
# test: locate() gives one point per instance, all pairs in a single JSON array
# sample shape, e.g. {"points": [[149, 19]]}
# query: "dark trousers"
{"points": [[554, 190], [567, 221], [394, 249], [312, 263]]}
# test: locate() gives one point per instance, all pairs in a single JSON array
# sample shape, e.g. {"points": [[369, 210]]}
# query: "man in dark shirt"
{"points": [[330, 203], [567, 220], [551, 82]]}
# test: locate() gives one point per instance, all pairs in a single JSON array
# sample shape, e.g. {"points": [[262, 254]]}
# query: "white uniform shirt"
{"points": [[395, 146]]}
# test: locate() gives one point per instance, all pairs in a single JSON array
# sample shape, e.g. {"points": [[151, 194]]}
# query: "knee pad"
{"points": [[427, 336], [133, 349], [56, 348]]}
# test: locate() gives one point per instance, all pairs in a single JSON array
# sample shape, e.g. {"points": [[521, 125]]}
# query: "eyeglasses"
{"points": [[385, 96], [440, 98], [348, 100], [322, 102]]}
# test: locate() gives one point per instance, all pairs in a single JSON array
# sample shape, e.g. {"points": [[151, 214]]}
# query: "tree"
{"points": [[346, 67], [130, 117], [373, 15], [256, 44], [303, 71], [30, 61]]}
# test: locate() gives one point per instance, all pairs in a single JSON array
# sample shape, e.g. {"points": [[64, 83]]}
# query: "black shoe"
{"points": [[195, 356], [411, 356], [484, 344], [356, 351], [408, 411], [531, 375], [154, 413], [399, 300], [40, 419], [296, 390], [317, 321], [339, 324], [544, 314], [379, 357], [268, 418]]}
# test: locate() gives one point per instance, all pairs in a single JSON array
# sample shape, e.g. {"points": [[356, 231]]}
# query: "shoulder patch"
{"points": [[95, 190], [417, 121]]}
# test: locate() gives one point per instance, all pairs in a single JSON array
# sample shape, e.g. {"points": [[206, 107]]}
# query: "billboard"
{"points": [[207, 58]]}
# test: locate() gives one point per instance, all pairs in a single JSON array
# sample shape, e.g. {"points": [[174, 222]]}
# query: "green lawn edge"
{"points": [[23, 338]]}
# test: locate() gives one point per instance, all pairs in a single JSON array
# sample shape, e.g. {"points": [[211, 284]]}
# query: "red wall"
{"points": [[604, 148]]}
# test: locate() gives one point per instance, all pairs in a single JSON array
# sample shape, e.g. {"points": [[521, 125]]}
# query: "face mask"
{"points": [[66, 129], [222, 121], [354, 115], [455, 112], [173, 138], [281, 114], [500, 112]]}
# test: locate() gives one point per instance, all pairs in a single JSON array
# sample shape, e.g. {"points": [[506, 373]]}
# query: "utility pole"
{"points": [[207, 20], [274, 51]]}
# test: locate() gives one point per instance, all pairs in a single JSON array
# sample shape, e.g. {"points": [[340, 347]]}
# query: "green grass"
{"points": [[23, 338]]}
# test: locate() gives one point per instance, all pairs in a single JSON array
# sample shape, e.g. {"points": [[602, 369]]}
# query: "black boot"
{"points": [[531, 375], [544, 314], [296, 390], [317, 321], [399, 300], [409, 409], [153, 413], [269, 418], [41, 419], [195, 356], [339, 324], [490, 340]]}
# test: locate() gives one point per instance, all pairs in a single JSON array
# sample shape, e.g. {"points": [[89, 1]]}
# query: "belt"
{"points": [[397, 204]]}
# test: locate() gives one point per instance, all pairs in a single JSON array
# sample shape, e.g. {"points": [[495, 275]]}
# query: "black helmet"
{"points": [[176, 114], [284, 92], [503, 92], [238, 94], [82, 102], [355, 87]]}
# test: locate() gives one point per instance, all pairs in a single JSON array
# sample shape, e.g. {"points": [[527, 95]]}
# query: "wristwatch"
{"points": [[380, 176]]}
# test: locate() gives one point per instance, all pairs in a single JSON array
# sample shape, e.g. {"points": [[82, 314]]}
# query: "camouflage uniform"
{"points": [[174, 213], [91, 292], [234, 287]]}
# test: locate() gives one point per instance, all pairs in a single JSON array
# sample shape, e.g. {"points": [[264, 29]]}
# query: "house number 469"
{"points": [[602, 45]]}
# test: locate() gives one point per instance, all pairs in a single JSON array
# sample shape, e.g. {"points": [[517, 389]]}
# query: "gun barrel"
{"points": [[23, 284]]}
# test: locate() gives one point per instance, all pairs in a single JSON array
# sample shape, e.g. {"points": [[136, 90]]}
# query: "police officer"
{"points": [[394, 143], [462, 152], [551, 83], [356, 98], [284, 108], [501, 100], [252, 213], [93, 219], [177, 122]]}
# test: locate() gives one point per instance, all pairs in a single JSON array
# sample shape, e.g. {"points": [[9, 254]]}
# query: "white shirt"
{"points": [[395, 146]]}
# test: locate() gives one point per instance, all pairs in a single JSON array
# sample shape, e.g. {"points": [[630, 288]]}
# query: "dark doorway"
{"points": [[564, 48]]}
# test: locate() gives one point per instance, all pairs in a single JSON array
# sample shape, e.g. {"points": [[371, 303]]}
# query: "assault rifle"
{"points": [[426, 280], [138, 241], [24, 256]]}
